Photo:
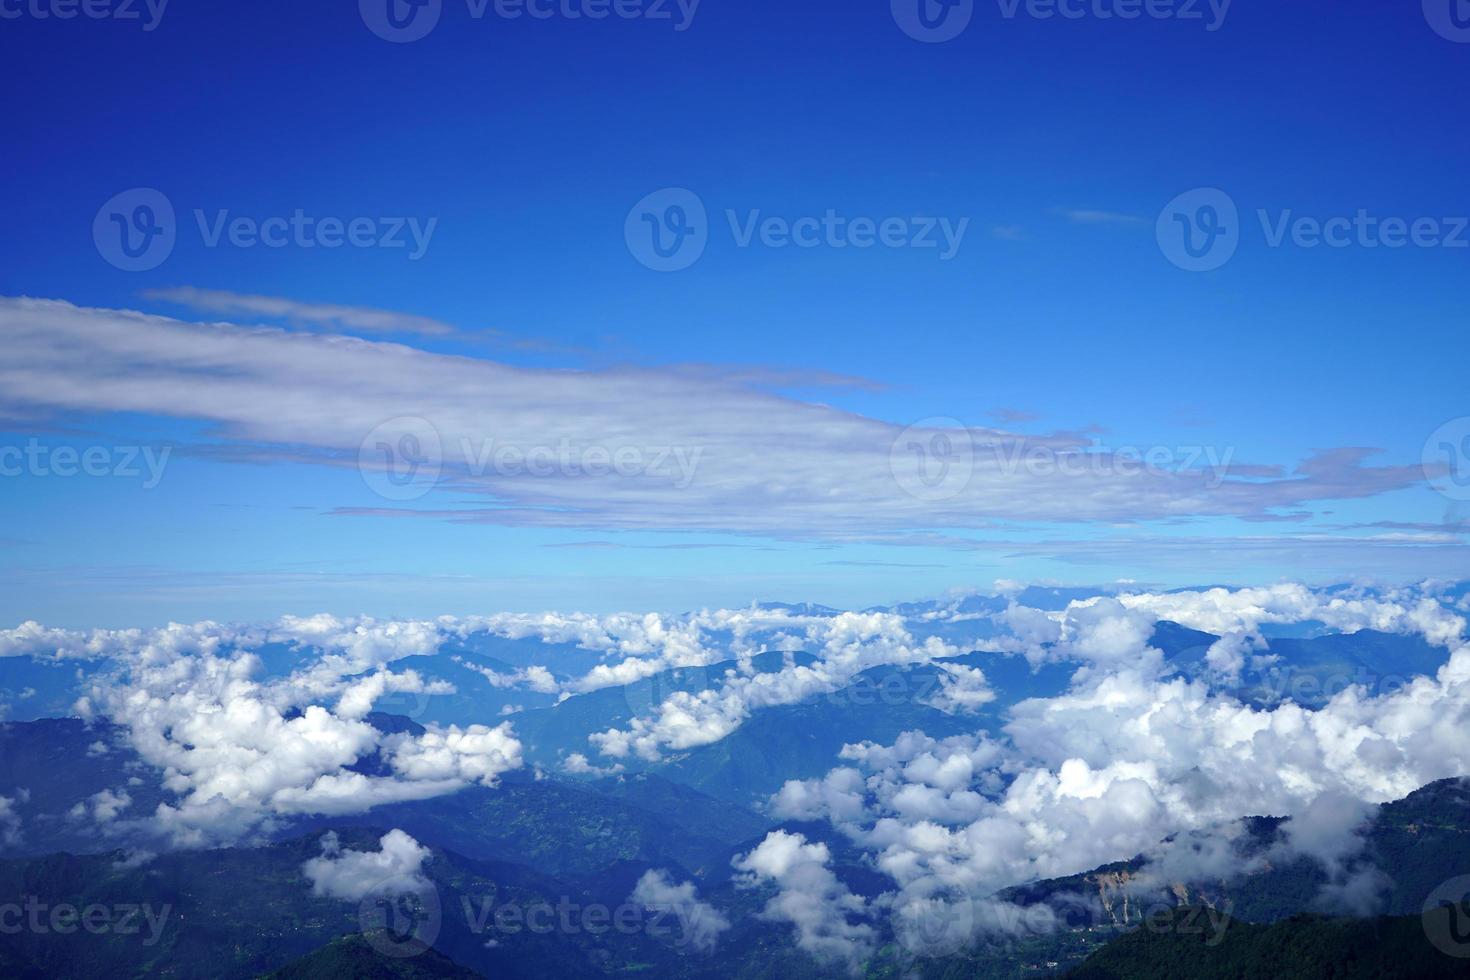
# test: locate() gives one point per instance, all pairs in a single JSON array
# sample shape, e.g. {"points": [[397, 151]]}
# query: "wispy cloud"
{"points": [[622, 546], [1448, 529], [855, 563], [767, 376], [1013, 416], [1094, 216], [323, 316], [712, 453]]}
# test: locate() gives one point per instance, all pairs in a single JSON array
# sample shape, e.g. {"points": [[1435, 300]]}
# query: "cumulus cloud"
{"points": [[393, 869], [102, 807], [359, 698], [845, 645], [1129, 754], [1223, 611], [577, 764], [535, 677], [241, 752], [474, 754], [10, 824], [700, 923], [1126, 753], [810, 897], [31, 639], [962, 690]]}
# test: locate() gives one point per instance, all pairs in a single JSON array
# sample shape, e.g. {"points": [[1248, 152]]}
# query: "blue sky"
{"points": [[1056, 141]]}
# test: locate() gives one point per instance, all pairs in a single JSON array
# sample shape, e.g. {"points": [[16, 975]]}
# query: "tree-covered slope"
{"points": [[353, 957], [1193, 942]]}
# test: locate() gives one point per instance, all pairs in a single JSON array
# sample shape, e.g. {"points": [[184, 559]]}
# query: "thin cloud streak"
{"points": [[707, 453]]}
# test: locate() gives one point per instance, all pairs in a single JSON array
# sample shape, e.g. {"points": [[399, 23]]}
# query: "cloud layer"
{"points": [[1131, 752], [617, 448], [1126, 750]]}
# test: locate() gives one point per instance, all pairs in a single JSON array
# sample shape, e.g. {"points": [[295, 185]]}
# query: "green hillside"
{"points": [[354, 958], [1191, 943]]}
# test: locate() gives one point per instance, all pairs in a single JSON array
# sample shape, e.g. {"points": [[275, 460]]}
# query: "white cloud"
{"points": [[700, 924], [962, 690], [810, 897], [713, 451], [845, 644], [103, 807], [331, 316], [576, 764], [31, 639], [240, 752], [535, 677], [1128, 755], [10, 823], [359, 698], [474, 754], [394, 868]]}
